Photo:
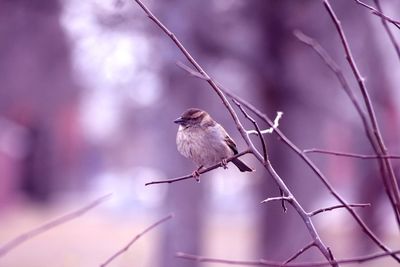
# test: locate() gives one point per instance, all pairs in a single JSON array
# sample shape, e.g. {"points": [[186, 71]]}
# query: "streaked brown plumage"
{"points": [[204, 141]]}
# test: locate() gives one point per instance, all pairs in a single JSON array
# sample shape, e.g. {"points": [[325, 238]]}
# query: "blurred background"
{"points": [[88, 93]]}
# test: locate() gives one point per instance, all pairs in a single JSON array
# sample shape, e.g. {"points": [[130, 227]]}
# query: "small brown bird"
{"points": [[204, 141]]}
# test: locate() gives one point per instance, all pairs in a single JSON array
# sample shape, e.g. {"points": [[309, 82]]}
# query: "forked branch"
{"points": [[379, 13], [318, 211]]}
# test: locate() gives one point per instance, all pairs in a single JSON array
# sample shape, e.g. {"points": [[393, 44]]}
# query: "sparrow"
{"points": [[205, 142]]}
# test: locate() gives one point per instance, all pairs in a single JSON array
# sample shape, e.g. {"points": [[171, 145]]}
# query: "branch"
{"points": [[386, 165], [350, 155], [379, 13], [283, 198], [388, 31], [298, 253], [272, 128], [10, 245], [323, 54], [264, 146], [124, 249], [283, 201], [185, 177], [263, 262], [338, 207]]}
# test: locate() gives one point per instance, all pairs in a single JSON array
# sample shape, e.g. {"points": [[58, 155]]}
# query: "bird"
{"points": [[204, 141]]}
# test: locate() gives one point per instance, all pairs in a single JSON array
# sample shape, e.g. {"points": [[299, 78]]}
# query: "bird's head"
{"points": [[193, 117]]}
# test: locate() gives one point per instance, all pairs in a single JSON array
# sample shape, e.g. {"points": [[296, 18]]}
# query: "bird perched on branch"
{"points": [[204, 141]]}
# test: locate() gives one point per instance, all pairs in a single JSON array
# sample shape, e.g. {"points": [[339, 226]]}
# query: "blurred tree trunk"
{"points": [[280, 92], [38, 92]]}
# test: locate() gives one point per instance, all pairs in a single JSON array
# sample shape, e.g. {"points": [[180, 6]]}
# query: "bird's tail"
{"points": [[241, 165]]}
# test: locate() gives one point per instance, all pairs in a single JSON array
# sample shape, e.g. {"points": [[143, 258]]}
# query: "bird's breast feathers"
{"points": [[205, 146]]}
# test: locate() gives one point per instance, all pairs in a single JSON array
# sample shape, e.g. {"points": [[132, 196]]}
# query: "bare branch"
{"points": [[338, 207], [283, 203], [298, 253], [350, 155], [12, 244], [264, 146], [321, 52], [388, 31], [190, 70], [379, 13], [185, 177], [125, 248], [226, 261], [263, 262], [288, 199], [386, 165], [270, 130]]}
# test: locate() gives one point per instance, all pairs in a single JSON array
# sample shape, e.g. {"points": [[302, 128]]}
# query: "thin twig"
{"points": [[379, 13], [323, 54], [12, 244], [283, 202], [388, 31], [350, 155], [263, 144], [189, 70], [271, 129], [125, 248], [387, 166], [201, 171], [313, 213], [288, 199], [263, 262], [298, 253]]}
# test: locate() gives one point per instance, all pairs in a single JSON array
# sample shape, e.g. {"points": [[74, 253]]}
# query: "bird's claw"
{"points": [[196, 174], [224, 164]]}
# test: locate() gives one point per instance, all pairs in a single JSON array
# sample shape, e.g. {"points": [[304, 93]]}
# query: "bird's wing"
{"points": [[231, 144]]}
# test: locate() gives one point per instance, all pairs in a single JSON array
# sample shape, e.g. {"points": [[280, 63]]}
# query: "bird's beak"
{"points": [[179, 120]]}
